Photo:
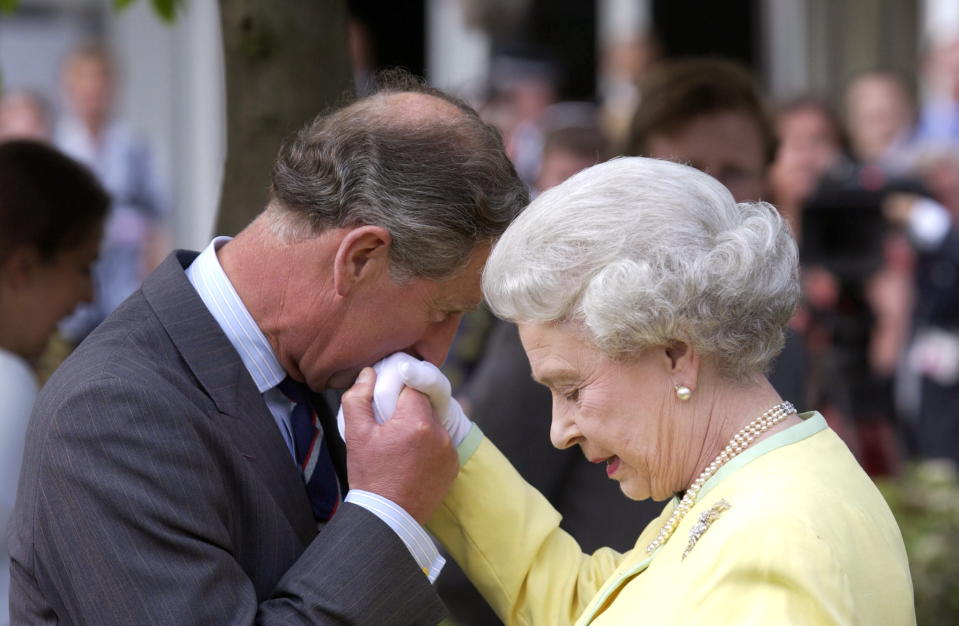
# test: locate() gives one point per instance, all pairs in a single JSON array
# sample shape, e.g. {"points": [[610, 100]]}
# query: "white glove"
{"points": [[428, 379], [386, 391], [399, 370]]}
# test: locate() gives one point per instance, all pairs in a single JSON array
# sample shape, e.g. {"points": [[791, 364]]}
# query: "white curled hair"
{"points": [[644, 252]]}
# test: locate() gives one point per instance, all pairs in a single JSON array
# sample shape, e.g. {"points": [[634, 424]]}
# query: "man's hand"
{"points": [[409, 459]]}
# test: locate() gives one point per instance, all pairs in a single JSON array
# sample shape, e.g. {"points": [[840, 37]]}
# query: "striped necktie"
{"points": [[312, 454]]}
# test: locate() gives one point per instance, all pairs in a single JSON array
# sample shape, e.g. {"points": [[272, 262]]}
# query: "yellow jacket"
{"points": [[807, 539]]}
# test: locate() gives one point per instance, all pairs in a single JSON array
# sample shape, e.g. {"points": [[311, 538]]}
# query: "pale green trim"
{"points": [[609, 589], [812, 423], [469, 444]]}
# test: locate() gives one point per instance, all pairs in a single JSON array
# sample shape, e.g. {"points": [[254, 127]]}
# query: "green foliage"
{"points": [[165, 9], [925, 501]]}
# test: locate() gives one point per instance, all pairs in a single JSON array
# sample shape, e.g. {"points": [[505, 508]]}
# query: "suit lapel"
{"points": [[221, 373]]}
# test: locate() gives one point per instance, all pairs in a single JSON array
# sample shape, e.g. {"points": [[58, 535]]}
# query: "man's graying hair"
{"points": [[440, 186]]}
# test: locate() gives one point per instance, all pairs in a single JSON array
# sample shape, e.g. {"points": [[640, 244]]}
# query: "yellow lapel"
{"points": [[629, 569]]}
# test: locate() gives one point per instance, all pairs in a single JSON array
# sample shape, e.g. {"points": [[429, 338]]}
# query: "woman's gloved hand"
{"points": [[399, 370]]}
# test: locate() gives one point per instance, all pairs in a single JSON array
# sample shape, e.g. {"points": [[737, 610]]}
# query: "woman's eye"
{"points": [[573, 395]]}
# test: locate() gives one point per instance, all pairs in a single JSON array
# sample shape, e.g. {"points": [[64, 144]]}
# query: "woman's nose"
{"points": [[563, 431]]}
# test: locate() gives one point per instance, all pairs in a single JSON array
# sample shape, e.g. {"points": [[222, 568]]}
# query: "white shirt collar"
{"points": [[217, 292]]}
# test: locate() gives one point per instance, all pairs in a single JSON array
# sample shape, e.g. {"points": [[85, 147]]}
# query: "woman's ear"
{"points": [[362, 253], [683, 362]]}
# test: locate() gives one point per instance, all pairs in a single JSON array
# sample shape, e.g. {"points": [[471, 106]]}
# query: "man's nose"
{"points": [[436, 341]]}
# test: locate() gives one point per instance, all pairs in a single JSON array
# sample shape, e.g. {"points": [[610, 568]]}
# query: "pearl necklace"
{"points": [[737, 444]]}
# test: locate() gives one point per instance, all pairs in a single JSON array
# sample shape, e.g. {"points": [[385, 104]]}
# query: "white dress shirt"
{"points": [[18, 391], [217, 292]]}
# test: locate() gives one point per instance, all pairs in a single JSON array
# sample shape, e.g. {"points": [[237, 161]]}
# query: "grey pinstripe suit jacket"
{"points": [[156, 489]]}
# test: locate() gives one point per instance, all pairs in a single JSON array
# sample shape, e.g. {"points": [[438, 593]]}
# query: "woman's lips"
{"points": [[612, 464]]}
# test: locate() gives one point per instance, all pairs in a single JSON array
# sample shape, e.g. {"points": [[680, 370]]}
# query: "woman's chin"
{"points": [[635, 492], [643, 492]]}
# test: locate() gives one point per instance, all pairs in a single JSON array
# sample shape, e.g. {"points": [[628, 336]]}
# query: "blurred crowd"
{"points": [[869, 182]]}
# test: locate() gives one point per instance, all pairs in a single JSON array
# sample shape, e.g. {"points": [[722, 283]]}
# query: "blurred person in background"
{"points": [[568, 150], [810, 142], [524, 87], [927, 389], [623, 63], [939, 114], [24, 115], [52, 211], [880, 113], [859, 270], [708, 113], [89, 132]]}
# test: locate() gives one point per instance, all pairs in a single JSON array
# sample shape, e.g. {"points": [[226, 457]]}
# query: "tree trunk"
{"points": [[285, 62]]}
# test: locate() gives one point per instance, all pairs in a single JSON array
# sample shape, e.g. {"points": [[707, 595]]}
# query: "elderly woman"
{"points": [[650, 304]]}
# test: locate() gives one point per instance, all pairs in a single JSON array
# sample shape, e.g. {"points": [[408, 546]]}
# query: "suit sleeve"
{"points": [[133, 526], [506, 537]]}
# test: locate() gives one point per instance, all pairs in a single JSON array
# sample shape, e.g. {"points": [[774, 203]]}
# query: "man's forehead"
{"points": [[464, 291]]}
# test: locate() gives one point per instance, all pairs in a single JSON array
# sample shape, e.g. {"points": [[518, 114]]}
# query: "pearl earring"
{"points": [[683, 392]]}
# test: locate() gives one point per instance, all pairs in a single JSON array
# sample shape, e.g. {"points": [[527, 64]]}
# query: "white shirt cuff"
{"points": [[417, 540], [929, 223]]}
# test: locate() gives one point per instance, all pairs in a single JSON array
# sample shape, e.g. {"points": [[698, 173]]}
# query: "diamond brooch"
{"points": [[706, 518]]}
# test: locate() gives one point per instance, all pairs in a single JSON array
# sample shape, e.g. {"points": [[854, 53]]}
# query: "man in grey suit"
{"points": [[176, 473]]}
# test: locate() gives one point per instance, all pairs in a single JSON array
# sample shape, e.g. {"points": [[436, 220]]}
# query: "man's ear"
{"points": [[683, 362], [362, 253]]}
